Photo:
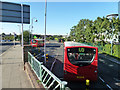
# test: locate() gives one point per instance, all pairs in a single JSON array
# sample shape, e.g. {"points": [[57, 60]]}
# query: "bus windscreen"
{"points": [[81, 55], [41, 42]]}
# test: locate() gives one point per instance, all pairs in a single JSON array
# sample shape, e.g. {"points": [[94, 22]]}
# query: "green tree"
{"points": [[26, 36], [3, 34], [96, 31]]}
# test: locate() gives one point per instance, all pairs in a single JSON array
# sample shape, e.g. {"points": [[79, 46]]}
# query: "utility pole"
{"points": [[45, 33], [29, 33], [22, 32]]}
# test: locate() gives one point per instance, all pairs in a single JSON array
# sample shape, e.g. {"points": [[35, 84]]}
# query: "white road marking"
{"points": [[109, 87], [118, 84], [52, 65], [101, 79], [111, 65], [106, 83], [101, 60], [112, 59], [116, 79], [6, 50]]}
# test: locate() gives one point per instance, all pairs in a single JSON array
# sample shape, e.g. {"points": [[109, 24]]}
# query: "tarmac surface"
{"points": [[55, 50], [108, 70], [13, 74]]}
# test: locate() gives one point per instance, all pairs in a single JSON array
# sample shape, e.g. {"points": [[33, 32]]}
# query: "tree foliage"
{"points": [[8, 37], [95, 31], [26, 36]]}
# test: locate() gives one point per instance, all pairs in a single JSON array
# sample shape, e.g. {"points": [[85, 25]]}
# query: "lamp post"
{"points": [[32, 25], [110, 16], [29, 33], [45, 33]]}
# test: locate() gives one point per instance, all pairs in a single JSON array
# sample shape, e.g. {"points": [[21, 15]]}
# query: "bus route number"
{"points": [[81, 49]]}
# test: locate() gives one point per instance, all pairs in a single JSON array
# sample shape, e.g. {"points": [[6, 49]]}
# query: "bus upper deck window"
{"points": [[81, 55]]}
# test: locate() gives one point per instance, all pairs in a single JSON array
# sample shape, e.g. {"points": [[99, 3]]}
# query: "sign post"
{"points": [[14, 38], [22, 31], [15, 13], [11, 12]]}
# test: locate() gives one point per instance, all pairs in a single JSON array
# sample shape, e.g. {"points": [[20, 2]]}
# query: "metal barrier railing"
{"points": [[48, 79]]}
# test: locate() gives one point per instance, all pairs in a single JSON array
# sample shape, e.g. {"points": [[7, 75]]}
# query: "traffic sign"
{"points": [[12, 12]]}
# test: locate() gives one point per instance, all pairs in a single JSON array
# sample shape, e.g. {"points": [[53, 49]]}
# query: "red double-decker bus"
{"points": [[80, 62], [37, 42]]}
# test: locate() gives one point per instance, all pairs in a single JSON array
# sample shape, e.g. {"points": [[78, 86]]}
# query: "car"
{"points": [[9, 40], [3, 40]]}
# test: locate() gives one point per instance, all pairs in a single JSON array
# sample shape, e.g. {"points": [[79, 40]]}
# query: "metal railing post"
{"points": [[32, 61], [63, 84], [40, 65], [47, 76], [28, 58]]}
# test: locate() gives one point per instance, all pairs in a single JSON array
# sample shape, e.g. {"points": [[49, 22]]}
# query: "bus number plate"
{"points": [[80, 77]]}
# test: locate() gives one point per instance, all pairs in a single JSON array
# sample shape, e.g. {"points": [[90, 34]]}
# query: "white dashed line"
{"points": [[116, 79], [109, 87], [106, 83], [5, 51], [101, 79]]}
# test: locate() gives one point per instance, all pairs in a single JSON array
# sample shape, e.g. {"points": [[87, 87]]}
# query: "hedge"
{"points": [[107, 49], [115, 50]]}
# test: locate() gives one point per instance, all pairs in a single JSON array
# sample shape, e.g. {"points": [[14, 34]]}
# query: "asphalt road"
{"points": [[57, 52], [108, 72], [5, 46]]}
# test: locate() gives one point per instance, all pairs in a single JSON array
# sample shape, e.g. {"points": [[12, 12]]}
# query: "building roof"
{"points": [[38, 39], [70, 43]]}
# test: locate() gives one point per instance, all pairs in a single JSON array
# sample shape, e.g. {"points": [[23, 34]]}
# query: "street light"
{"points": [[29, 33], [45, 33], [32, 25], [110, 16], [19, 28]]}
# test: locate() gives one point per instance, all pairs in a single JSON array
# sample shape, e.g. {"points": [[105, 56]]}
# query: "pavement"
{"points": [[13, 74]]}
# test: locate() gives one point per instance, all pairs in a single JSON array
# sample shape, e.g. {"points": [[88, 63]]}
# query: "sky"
{"points": [[61, 16]]}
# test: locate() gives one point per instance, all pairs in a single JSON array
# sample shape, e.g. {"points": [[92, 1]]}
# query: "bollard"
{"points": [[64, 83], [38, 49], [87, 82], [47, 57]]}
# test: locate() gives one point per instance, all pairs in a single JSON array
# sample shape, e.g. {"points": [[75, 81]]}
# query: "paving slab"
{"points": [[13, 74]]}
